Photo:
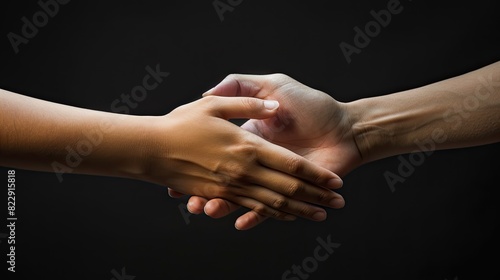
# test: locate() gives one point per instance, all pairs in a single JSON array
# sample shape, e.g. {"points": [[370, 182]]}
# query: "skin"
{"points": [[458, 112], [193, 149]]}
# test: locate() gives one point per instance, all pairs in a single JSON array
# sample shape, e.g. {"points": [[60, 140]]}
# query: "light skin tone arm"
{"points": [[193, 149], [458, 112]]}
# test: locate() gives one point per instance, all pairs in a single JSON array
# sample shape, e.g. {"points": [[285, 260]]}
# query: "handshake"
{"points": [[285, 162]]}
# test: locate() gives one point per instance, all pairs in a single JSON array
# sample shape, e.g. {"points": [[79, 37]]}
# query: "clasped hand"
{"points": [[325, 140], [209, 157]]}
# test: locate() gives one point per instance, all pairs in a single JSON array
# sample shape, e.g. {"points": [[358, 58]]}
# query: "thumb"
{"points": [[238, 85], [241, 107]]}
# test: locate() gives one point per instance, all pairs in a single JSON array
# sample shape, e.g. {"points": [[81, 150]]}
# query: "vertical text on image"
{"points": [[11, 219]]}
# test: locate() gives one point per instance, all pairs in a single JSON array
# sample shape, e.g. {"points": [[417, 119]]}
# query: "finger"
{"points": [[299, 190], [281, 159], [218, 208], [262, 208], [281, 203], [196, 204], [249, 220], [262, 200], [241, 107], [238, 85], [269, 203], [174, 194]]}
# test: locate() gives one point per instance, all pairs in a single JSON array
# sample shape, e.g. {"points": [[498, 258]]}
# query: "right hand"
{"points": [[309, 123], [199, 152]]}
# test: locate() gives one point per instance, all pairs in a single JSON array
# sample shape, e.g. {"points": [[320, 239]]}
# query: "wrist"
{"points": [[374, 127], [389, 125], [128, 144]]}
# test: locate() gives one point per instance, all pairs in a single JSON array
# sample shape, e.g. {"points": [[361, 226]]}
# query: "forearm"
{"points": [[458, 112], [46, 136]]}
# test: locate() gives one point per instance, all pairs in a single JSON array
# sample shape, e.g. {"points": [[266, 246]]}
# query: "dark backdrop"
{"points": [[440, 223]]}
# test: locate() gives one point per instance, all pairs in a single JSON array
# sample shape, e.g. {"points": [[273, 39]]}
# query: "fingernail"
{"points": [[236, 225], [189, 207], [335, 183], [271, 104], [319, 216]]}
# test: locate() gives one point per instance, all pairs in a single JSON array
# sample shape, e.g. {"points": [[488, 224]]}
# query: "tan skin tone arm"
{"points": [[193, 149], [459, 112], [35, 134]]}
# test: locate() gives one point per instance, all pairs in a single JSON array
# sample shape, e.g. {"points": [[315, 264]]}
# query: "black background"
{"points": [[441, 223]]}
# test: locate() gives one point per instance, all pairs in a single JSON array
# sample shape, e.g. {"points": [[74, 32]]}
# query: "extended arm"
{"points": [[41, 135], [459, 112], [193, 149]]}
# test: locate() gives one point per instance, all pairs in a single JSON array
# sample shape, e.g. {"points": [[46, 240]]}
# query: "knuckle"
{"points": [[208, 100], [232, 76], [279, 76], [294, 165], [234, 80], [279, 203], [260, 209], [319, 179], [239, 166], [305, 211], [221, 179], [246, 151], [267, 212], [249, 152], [324, 196], [238, 171], [316, 176], [293, 189], [249, 104]]}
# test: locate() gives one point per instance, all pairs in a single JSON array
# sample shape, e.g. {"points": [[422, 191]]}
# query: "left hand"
{"points": [[309, 123], [203, 154]]}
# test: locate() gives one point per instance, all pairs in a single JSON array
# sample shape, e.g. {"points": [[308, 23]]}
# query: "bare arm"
{"points": [[459, 112], [45, 136], [193, 149]]}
